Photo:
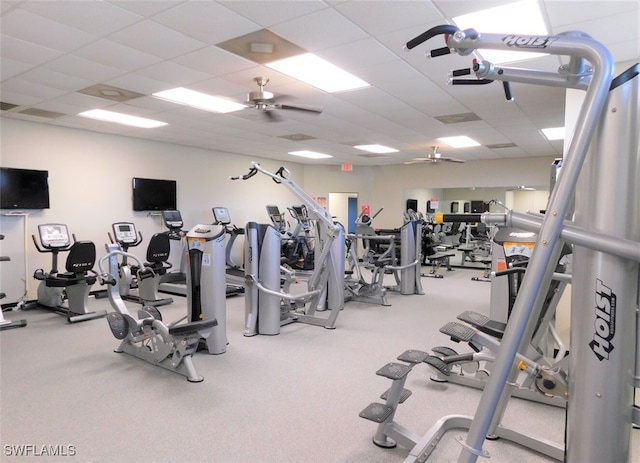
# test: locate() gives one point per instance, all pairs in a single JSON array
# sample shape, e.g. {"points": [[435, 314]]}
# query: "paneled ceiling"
{"points": [[51, 50]]}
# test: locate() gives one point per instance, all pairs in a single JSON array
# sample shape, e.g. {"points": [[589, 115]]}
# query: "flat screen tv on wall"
{"points": [[150, 194], [24, 188]]}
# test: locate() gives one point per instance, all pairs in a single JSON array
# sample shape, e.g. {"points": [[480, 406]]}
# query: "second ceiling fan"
{"points": [[434, 158]]}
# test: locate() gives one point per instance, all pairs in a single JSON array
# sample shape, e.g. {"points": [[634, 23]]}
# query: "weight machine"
{"points": [[267, 307], [148, 337], [602, 168]]}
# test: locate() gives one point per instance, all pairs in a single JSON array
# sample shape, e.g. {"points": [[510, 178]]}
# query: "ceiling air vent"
{"points": [[501, 145], [7, 106], [371, 155], [110, 93], [297, 137], [41, 113], [456, 118]]}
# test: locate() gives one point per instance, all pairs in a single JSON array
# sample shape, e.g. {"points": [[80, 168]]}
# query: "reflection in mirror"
{"points": [[464, 239], [458, 200]]}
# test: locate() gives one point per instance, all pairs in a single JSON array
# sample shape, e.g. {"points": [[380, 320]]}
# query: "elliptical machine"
{"points": [[74, 284]]}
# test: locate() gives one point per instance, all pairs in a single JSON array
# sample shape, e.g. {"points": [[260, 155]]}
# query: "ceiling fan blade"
{"points": [[453, 160], [305, 108], [271, 116]]}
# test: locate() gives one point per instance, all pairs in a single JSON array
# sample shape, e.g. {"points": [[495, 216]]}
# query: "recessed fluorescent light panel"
{"points": [[459, 142], [310, 154], [320, 73], [376, 148], [119, 118], [524, 17], [199, 100], [554, 133]]}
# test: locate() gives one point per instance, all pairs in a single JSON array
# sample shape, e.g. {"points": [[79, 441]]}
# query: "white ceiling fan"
{"points": [[267, 102], [434, 158]]}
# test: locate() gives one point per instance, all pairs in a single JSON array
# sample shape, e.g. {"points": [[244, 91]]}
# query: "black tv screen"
{"points": [[150, 194], [24, 188]]}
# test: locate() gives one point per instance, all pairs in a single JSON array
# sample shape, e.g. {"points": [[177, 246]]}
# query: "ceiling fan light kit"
{"points": [[435, 157], [267, 101]]}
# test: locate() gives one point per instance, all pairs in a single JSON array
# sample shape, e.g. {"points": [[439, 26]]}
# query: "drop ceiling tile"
{"points": [[19, 99], [24, 25], [10, 68], [54, 79], [207, 22], [213, 61], [83, 68], [460, 7], [27, 52], [29, 92], [564, 13], [319, 30], [273, 12], [7, 5], [389, 16], [116, 55], [137, 83], [57, 105], [147, 7], [172, 73], [94, 17], [81, 101], [151, 37], [612, 28], [359, 54]]}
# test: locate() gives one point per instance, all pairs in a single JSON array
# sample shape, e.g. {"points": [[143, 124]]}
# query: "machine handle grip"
{"points": [[507, 90], [253, 171], [461, 72], [510, 271], [471, 81], [439, 52], [468, 218], [145, 273], [437, 30]]}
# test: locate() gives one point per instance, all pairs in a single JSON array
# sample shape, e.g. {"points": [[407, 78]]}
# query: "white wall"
{"points": [[90, 186]]}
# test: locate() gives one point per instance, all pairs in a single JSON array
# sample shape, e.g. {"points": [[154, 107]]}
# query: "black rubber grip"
{"points": [[507, 90], [465, 218], [471, 81], [437, 30], [510, 271], [461, 72], [439, 52]]}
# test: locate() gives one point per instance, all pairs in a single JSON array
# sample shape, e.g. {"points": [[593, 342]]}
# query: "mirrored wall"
{"points": [[477, 199]]}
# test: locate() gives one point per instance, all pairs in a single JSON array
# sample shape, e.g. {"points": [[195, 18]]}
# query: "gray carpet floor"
{"points": [[294, 397]]}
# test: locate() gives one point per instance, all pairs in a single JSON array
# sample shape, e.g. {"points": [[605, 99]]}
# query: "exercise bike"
{"points": [[74, 284], [125, 236]]}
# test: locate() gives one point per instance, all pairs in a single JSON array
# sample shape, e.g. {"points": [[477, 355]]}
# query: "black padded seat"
{"points": [[80, 260], [158, 253]]}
